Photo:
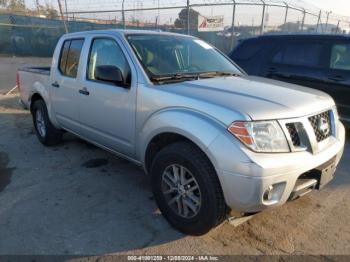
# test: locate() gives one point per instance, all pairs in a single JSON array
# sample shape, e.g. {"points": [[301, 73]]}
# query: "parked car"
{"points": [[317, 61], [210, 137]]}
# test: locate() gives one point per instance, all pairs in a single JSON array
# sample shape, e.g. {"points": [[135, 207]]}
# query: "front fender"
{"points": [[200, 128]]}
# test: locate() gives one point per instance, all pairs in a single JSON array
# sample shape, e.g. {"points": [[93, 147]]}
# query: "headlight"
{"points": [[261, 136]]}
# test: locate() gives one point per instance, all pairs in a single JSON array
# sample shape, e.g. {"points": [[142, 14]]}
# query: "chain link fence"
{"points": [[37, 36]]}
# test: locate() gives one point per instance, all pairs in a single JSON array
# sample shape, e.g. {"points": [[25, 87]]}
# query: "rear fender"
{"points": [[40, 89]]}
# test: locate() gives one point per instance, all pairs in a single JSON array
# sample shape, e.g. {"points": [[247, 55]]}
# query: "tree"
{"points": [[15, 5], [18, 6], [181, 22], [47, 10], [50, 12], [4, 3]]}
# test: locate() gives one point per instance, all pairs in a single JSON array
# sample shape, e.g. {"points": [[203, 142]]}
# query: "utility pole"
{"points": [[318, 21], [328, 13], [338, 27], [62, 17], [286, 16], [123, 14], [303, 21], [188, 17], [158, 15], [37, 6], [233, 23], [262, 26], [66, 8]]}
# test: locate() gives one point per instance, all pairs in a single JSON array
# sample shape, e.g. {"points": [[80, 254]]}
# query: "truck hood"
{"points": [[259, 98]]}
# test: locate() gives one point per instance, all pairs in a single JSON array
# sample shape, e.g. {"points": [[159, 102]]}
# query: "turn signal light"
{"points": [[240, 131]]}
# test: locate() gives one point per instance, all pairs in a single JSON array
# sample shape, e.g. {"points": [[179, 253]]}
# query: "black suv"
{"points": [[318, 61]]}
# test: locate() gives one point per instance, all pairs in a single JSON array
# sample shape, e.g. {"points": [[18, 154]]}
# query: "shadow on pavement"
{"points": [[73, 198]]}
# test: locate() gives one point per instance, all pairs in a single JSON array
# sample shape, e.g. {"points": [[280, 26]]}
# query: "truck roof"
{"points": [[121, 32]]}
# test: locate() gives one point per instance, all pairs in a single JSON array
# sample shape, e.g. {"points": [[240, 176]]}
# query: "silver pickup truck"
{"points": [[210, 137]]}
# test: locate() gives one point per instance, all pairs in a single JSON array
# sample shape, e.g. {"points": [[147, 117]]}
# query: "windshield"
{"points": [[169, 55]]}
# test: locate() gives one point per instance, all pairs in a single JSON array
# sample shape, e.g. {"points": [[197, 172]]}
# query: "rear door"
{"points": [[64, 84], [300, 62], [337, 76]]}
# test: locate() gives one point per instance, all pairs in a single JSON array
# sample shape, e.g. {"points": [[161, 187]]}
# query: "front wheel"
{"points": [[187, 189], [45, 131]]}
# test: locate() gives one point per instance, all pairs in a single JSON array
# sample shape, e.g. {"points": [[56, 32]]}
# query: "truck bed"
{"points": [[30, 76], [36, 70]]}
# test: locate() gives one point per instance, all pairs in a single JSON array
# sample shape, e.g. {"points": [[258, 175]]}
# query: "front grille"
{"points": [[321, 125], [293, 132]]}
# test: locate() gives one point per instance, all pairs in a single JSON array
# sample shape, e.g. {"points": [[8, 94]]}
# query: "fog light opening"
{"points": [[268, 194]]}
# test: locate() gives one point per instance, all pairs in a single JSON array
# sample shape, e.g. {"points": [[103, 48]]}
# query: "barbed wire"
{"points": [[95, 8], [98, 5]]}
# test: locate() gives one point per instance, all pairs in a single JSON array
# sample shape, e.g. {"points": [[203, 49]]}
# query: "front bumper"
{"points": [[245, 176]]}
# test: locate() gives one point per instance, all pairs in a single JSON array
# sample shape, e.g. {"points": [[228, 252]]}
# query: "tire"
{"points": [[187, 157], [45, 131]]}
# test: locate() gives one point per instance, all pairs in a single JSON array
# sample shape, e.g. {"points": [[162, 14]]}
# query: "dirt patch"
{"points": [[5, 173]]}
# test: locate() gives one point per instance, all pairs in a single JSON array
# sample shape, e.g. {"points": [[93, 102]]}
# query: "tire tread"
{"points": [[199, 159]]}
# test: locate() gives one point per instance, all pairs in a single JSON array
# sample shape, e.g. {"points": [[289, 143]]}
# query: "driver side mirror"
{"points": [[111, 74]]}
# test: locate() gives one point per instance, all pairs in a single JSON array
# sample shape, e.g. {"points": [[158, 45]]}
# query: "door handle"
{"points": [[55, 84], [84, 91], [337, 78]]}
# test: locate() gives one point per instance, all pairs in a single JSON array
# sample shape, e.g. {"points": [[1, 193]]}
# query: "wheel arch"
{"points": [[173, 126], [40, 92], [35, 97]]}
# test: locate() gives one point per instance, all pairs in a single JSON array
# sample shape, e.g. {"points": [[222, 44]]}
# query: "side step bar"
{"points": [[303, 187]]}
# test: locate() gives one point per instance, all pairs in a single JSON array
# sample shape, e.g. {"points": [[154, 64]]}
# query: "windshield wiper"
{"points": [[217, 73], [175, 77], [186, 77]]}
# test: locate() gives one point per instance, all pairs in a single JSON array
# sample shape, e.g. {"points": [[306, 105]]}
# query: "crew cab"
{"points": [[212, 138]]}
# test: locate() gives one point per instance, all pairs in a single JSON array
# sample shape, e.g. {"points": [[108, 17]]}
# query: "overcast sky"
{"points": [[245, 14], [337, 6], [341, 7]]}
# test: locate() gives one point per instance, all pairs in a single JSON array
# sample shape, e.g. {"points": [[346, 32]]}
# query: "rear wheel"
{"points": [[45, 131], [187, 189]]}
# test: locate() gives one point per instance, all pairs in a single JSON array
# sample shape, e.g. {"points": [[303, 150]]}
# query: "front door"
{"points": [[107, 108]]}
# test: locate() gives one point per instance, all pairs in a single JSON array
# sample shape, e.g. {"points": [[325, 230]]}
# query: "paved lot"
{"points": [[78, 199]]}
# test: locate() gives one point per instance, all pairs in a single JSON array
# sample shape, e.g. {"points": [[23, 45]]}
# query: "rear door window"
{"points": [[70, 56], [64, 54], [340, 57], [299, 54]]}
